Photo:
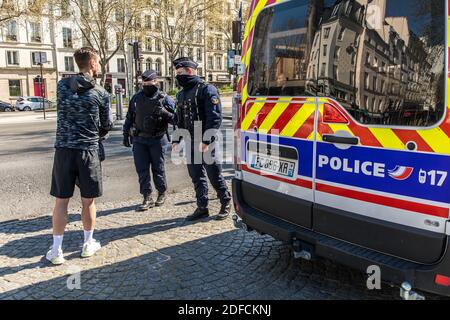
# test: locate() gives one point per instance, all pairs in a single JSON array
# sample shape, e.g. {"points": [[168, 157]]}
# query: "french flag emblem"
{"points": [[401, 172]]}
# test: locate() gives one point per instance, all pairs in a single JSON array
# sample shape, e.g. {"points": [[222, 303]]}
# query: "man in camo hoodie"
{"points": [[84, 116]]}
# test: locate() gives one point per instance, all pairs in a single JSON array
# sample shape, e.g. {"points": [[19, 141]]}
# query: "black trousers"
{"points": [[199, 173], [149, 155]]}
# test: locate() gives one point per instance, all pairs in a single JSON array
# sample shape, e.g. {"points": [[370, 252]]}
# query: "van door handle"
{"points": [[342, 140]]}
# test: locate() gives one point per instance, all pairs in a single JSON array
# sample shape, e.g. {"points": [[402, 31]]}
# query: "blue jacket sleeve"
{"points": [[213, 109], [129, 119], [169, 105]]}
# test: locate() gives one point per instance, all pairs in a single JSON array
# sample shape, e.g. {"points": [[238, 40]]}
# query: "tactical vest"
{"points": [[189, 108], [147, 121]]}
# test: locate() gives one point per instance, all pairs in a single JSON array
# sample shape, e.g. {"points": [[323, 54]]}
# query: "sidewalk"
{"points": [[157, 255]]}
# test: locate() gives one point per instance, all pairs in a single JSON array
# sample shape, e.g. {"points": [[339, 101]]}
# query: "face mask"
{"points": [[149, 91], [185, 80]]}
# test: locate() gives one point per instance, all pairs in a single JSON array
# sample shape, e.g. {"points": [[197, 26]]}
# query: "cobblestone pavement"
{"points": [[157, 255]]}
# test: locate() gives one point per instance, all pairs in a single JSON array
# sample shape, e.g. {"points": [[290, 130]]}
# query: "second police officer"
{"points": [[199, 103], [146, 124]]}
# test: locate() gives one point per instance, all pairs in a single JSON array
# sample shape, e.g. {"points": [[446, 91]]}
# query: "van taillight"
{"points": [[442, 280], [332, 115], [236, 121]]}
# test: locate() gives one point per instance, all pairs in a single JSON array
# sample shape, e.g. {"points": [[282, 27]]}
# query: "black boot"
{"points": [[161, 199], [224, 212], [146, 204], [199, 213]]}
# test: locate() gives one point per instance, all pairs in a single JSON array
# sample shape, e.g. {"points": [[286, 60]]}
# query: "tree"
{"points": [[103, 20], [177, 24], [10, 9]]}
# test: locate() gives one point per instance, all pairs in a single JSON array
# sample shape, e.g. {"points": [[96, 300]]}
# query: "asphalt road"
{"points": [[26, 158]]}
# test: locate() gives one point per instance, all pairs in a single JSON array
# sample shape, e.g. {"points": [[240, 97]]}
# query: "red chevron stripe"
{"points": [[284, 119], [305, 130], [365, 135], [261, 115], [411, 135]]}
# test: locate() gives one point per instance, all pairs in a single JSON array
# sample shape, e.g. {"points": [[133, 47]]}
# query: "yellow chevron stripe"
{"points": [[436, 139], [387, 138], [298, 120], [251, 114], [311, 136], [273, 116], [244, 94], [261, 4]]}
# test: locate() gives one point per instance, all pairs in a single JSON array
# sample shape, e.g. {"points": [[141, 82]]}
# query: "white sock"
{"points": [[57, 243], [88, 235]]}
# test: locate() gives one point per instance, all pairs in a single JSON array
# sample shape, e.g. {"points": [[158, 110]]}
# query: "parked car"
{"points": [[32, 103], [6, 107]]}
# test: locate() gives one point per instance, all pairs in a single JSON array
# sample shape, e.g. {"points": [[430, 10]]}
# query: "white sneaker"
{"points": [[90, 248], [57, 258]]}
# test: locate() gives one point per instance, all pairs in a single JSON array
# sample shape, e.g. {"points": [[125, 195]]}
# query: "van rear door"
{"points": [[383, 129]]}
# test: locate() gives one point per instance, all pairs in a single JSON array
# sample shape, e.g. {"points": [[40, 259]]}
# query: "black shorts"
{"points": [[80, 167]]}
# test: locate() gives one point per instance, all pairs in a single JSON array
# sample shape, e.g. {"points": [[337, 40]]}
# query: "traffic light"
{"points": [[137, 51]]}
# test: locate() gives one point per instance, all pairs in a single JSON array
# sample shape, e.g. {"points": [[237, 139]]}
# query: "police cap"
{"points": [[149, 75], [184, 62]]}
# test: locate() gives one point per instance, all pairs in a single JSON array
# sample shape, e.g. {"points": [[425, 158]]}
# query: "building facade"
{"points": [[57, 35]]}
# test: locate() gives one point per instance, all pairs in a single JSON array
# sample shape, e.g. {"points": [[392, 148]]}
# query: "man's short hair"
{"points": [[84, 55]]}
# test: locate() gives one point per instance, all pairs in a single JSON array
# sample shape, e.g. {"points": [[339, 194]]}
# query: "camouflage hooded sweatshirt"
{"points": [[84, 114]]}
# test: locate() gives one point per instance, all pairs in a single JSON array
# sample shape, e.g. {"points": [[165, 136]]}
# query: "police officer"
{"points": [[199, 102], [146, 124]]}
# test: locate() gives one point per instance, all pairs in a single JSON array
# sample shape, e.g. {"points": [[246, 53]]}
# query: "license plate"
{"points": [[272, 165]]}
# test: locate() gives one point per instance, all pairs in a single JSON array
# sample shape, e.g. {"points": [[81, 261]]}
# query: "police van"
{"points": [[342, 129]]}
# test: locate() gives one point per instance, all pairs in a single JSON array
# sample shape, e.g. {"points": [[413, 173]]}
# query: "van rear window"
{"points": [[383, 60]]}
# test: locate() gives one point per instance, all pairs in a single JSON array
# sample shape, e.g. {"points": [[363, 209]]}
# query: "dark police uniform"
{"points": [[147, 122], [200, 102]]}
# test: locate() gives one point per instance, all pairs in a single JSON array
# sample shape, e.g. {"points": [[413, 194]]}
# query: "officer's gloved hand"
{"points": [[162, 112], [126, 141]]}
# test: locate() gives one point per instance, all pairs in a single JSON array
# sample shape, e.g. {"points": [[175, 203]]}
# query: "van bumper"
{"points": [[394, 270]]}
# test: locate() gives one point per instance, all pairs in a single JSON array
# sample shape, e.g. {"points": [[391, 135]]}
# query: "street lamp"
{"points": [[41, 58]]}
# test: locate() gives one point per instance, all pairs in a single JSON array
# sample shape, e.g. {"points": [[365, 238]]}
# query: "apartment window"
{"points": [[375, 82], [326, 33], [199, 36], [68, 64], [200, 72], [210, 63], [191, 53], [148, 21], [219, 63], [335, 10], [367, 59], [119, 15], [366, 80], [325, 48], [148, 63], [38, 57], [35, 32], [119, 41], [341, 34], [199, 54], [67, 38], [158, 67], [11, 31], [158, 45], [158, 23], [15, 89], [353, 58], [366, 102], [219, 43], [352, 78], [121, 65], [148, 44], [12, 58]]}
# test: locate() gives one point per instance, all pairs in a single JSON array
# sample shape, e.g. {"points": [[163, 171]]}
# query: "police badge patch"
{"points": [[215, 100]]}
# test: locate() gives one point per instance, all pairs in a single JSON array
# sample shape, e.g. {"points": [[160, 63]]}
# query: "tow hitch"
{"points": [[238, 223], [406, 292]]}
